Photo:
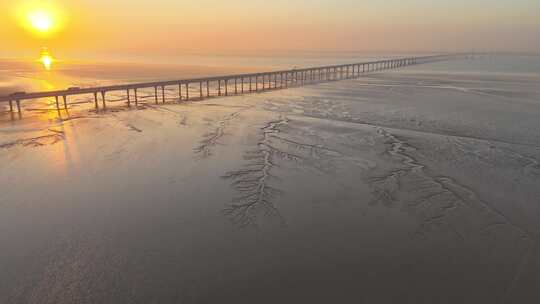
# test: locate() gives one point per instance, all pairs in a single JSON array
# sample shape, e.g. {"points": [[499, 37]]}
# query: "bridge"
{"points": [[201, 88]]}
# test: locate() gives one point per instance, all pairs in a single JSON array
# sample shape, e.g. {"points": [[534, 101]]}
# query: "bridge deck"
{"points": [[279, 79]]}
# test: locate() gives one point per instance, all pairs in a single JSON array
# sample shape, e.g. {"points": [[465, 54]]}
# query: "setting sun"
{"points": [[41, 21]]}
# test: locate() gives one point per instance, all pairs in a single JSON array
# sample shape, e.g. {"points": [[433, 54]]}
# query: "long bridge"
{"points": [[200, 88]]}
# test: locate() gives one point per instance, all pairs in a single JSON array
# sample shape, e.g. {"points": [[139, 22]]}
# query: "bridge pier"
{"points": [[128, 98], [180, 92], [200, 90], [163, 94], [103, 100], [96, 105]]}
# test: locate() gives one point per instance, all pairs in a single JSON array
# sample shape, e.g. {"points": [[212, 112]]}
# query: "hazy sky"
{"points": [[165, 27]]}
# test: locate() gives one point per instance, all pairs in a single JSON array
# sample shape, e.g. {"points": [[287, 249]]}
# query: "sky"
{"points": [[94, 28]]}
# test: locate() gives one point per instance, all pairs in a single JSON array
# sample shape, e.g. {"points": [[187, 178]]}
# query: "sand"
{"points": [[393, 188]]}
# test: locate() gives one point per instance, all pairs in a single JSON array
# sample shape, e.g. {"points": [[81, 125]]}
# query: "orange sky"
{"points": [[94, 28]]}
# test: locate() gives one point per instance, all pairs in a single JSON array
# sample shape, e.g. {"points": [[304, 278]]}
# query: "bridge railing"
{"points": [[229, 84]]}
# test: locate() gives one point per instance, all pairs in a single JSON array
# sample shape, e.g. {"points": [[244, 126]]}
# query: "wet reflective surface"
{"points": [[412, 187]]}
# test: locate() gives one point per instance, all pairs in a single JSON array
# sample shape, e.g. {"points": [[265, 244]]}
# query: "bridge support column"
{"points": [[103, 100], [207, 88], [180, 91], [18, 102], [187, 90], [136, 98], [58, 105], [128, 98], [96, 106], [163, 94], [200, 90], [65, 102]]}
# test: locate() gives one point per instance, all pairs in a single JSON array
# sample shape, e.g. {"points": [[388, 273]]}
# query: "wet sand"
{"points": [[393, 188]]}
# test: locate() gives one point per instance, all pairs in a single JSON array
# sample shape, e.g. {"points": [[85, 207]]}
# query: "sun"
{"points": [[42, 21]]}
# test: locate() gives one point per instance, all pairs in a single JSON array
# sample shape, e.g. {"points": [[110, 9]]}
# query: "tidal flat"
{"points": [[415, 186]]}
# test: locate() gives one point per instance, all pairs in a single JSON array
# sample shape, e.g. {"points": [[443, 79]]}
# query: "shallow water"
{"points": [[413, 186]]}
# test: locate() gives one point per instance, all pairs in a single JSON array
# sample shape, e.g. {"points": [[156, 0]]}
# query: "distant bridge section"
{"points": [[201, 88]]}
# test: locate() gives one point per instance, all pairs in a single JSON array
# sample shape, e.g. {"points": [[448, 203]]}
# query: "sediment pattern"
{"points": [[53, 137], [211, 139], [254, 181], [441, 202]]}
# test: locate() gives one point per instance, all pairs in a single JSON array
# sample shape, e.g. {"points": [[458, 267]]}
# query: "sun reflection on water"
{"points": [[46, 59]]}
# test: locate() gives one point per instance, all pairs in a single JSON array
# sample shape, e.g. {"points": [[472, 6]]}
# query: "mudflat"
{"points": [[392, 188]]}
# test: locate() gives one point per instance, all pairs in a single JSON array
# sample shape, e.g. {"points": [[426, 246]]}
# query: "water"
{"points": [[414, 186], [26, 75]]}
